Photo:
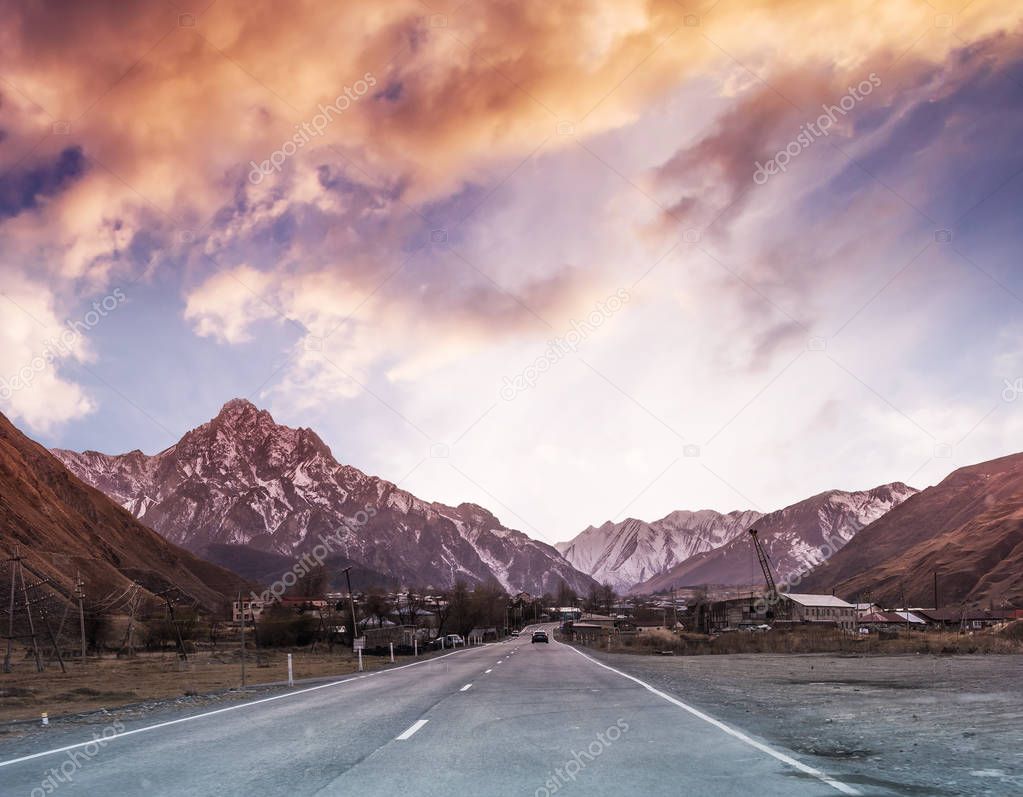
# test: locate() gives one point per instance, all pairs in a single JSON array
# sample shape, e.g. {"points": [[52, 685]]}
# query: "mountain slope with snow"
{"points": [[963, 536], [626, 553], [244, 480], [796, 539]]}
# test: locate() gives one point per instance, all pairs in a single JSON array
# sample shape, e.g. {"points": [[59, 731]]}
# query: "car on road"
{"points": [[541, 636], [448, 641]]}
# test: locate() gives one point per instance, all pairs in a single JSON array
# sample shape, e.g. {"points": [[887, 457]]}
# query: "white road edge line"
{"points": [[742, 737], [408, 734], [228, 708], [465, 688]]}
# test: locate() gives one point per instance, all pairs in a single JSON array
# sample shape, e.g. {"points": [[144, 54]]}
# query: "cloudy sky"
{"points": [[572, 260]]}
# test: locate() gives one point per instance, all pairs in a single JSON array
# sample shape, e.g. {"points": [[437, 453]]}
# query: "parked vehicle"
{"points": [[448, 641]]}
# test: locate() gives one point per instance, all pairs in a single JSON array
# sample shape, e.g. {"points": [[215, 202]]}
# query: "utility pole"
{"points": [[10, 625], [351, 603], [80, 594], [241, 609], [53, 640], [28, 613], [905, 609]]}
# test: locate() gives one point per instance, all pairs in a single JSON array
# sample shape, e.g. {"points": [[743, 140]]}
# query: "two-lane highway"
{"points": [[508, 718]]}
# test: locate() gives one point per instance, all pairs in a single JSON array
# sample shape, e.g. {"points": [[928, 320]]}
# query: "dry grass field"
{"points": [[805, 639], [110, 682]]}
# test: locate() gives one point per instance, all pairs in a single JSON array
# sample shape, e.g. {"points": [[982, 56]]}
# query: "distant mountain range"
{"points": [[796, 539], [632, 551], [253, 496], [62, 527], [967, 531], [243, 485]]}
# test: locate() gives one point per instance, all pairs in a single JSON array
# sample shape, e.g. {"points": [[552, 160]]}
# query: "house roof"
{"points": [[955, 615], [804, 599], [910, 617], [889, 617]]}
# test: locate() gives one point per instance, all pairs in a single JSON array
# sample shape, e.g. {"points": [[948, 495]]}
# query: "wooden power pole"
{"points": [[80, 594]]}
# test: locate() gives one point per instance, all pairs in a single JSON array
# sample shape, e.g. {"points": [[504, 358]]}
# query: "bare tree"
{"points": [[608, 597], [377, 605]]}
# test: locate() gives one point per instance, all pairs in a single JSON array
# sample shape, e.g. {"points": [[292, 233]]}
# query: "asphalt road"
{"points": [[512, 718]]}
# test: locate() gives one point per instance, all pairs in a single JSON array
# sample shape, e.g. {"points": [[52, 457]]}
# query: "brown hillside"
{"points": [[62, 525], [968, 529]]}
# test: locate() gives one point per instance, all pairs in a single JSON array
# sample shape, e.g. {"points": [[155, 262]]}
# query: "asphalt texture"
{"points": [[511, 718]]}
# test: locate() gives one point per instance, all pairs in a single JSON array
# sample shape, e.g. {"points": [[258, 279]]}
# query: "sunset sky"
{"points": [[581, 183]]}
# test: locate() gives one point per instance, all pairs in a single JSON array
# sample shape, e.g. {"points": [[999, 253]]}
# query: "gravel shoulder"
{"points": [[912, 725]]}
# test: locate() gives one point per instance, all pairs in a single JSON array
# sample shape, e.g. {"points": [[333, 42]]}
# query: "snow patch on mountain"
{"points": [[631, 551], [243, 479]]}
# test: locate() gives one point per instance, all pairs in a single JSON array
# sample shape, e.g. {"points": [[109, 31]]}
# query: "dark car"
{"points": [[541, 636]]}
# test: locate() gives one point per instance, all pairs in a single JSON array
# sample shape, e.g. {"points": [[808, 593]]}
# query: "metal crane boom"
{"points": [[765, 565]]}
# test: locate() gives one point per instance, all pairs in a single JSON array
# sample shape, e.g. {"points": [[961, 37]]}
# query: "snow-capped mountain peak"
{"points": [[243, 480], [632, 550]]}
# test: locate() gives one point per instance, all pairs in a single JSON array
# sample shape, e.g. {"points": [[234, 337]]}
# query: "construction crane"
{"points": [[765, 565]]}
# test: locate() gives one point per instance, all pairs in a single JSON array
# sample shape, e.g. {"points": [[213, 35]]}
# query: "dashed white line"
{"points": [[487, 672], [465, 688], [236, 707], [415, 727]]}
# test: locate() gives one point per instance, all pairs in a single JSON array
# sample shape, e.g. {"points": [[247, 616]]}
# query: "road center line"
{"points": [[742, 737], [487, 672], [465, 688], [230, 708], [415, 727]]}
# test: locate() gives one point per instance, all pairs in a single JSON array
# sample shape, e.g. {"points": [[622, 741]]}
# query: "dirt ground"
{"points": [[905, 724], [109, 683]]}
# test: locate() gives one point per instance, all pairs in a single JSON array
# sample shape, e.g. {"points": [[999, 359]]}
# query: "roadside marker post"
{"points": [[291, 672], [415, 647], [360, 659], [392, 653]]}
